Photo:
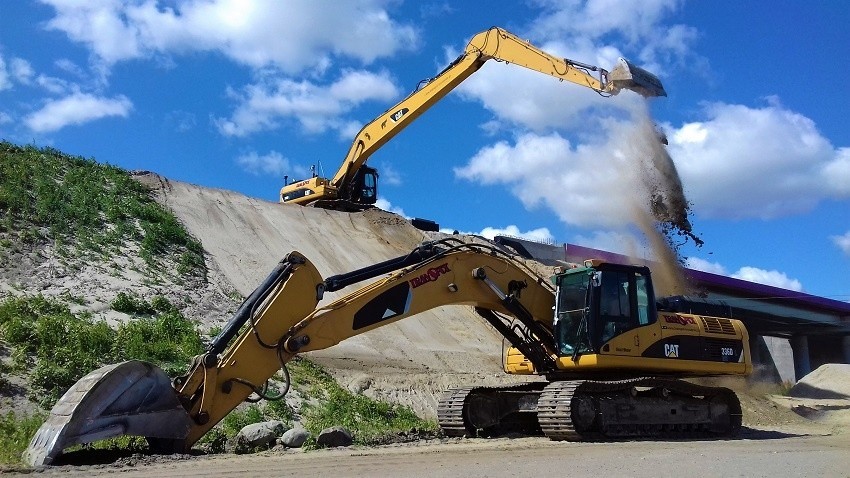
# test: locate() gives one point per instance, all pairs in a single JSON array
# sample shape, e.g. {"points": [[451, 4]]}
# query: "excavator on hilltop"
{"points": [[355, 186], [612, 355]]}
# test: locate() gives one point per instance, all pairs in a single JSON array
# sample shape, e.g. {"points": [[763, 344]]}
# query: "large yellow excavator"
{"points": [[612, 355], [355, 185]]}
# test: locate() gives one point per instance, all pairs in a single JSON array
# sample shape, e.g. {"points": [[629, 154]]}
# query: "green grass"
{"points": [[370, 421], [87, 209], [15, 434], [59, 347]]}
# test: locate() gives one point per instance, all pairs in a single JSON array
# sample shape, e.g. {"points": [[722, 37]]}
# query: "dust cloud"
{"points": [[659, 206]]}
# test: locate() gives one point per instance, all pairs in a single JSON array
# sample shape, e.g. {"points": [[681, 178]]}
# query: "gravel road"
{"points": [[768, 453]]}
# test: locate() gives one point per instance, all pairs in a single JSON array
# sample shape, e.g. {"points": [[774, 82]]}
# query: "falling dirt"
{"points": [[660, 209]]}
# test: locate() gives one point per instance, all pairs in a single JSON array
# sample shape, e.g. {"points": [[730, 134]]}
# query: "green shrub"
{"points": [[369, 420], [167, 339], [16, 431], [46, 194], [131, 304], [60, 347]]}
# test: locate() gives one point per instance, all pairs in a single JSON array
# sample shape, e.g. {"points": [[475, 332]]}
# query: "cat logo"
{"points": [[398, 114], [671, 350]]}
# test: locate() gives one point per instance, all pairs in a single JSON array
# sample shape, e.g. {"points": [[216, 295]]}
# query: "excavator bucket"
{"points": [[129, 398], [627, 76]]}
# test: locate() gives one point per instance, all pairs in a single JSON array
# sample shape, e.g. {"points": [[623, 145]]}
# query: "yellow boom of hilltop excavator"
{"points": [[613, 356], [355, 185]]}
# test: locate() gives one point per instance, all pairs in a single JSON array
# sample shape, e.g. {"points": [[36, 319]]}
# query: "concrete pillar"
{"points": [[802, 362], [755, 349], [845, 342]]}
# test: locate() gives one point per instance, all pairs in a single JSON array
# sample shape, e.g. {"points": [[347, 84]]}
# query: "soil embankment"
{"points": [[409, 362]]}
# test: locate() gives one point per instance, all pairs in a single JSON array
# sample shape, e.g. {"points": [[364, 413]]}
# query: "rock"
{"points": [[295, 437], [334, 436], [257, 436]]}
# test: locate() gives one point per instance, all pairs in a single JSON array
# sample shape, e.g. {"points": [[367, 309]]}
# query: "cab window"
{"points": [[623, 303], [572, 297]]}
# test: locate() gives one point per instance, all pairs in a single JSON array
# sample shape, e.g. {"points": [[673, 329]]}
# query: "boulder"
{"points": [[334, 436], [257, 436], [294, 438]]}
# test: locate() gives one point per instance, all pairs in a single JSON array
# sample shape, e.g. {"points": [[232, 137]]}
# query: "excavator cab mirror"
{"points": [[628, 76]]}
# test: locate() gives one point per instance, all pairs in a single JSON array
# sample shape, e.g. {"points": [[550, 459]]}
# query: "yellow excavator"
{"points": [[355, 186], [613, 356]]}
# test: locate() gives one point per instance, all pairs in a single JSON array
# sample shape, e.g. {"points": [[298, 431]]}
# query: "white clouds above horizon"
{"points": [[317, 108], [14, 70], [272, 163], [843, 242], [76, 109], [384, 204], [291, 36], [748, 273], [762, 162]]}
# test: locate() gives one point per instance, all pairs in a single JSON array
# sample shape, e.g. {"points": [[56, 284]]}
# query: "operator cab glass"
{"points": [[368, 185], [572, 305], [597, 304]]}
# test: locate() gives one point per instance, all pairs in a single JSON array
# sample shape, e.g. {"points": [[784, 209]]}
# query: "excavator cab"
{"points": [[599, 302], [364, 187]]}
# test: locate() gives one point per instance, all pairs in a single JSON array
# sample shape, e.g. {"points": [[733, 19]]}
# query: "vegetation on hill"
{"points": [[89, 213], [85, 208]]}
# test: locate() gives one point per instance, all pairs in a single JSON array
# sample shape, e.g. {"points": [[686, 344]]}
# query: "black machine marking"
{"points": [[692, 347], [390, 303]]}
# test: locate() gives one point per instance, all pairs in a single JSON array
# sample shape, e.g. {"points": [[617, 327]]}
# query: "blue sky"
{"points": [[237, 94]]}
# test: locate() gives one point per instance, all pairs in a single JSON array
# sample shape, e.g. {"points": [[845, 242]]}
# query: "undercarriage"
{"points": [[592, 410]]}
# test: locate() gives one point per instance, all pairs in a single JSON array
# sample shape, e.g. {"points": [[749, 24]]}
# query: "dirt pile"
{"points": [[410, 362], [822, 396], [830, 381]]}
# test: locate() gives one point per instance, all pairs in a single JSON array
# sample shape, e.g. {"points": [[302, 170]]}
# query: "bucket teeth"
{"points": [[129, 398]]}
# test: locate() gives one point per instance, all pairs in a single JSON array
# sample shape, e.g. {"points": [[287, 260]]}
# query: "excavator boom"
{"points": [[493, 44], [279, 320]]}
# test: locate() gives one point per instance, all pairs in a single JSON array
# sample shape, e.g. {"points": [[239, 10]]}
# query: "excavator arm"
{"points": [[493, 44], [282, 319]]}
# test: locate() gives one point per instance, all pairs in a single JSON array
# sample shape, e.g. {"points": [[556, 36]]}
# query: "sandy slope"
{"points": [[245, 237]]}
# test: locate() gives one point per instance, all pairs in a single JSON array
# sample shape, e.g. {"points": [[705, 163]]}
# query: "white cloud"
{"points": [[640, 25], [292, 35], [21, 70], [5, 118], [53, 85], [698, 264], [389, 174], [747, 273], [382, 203], [17, 70], [604, 182], [843, 242], [771, 277], [541, 234], [618, 242], [5, 81], [764, 162], [76, 109], [317, 108], [272, 163]]}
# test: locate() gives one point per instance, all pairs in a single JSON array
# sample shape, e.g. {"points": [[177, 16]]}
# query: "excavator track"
{"points": [[490, 411], [450, 412], [577, 410], [637, 408]]}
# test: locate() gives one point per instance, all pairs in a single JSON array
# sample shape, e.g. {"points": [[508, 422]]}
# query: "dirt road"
{"points": [[773, 453]]}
